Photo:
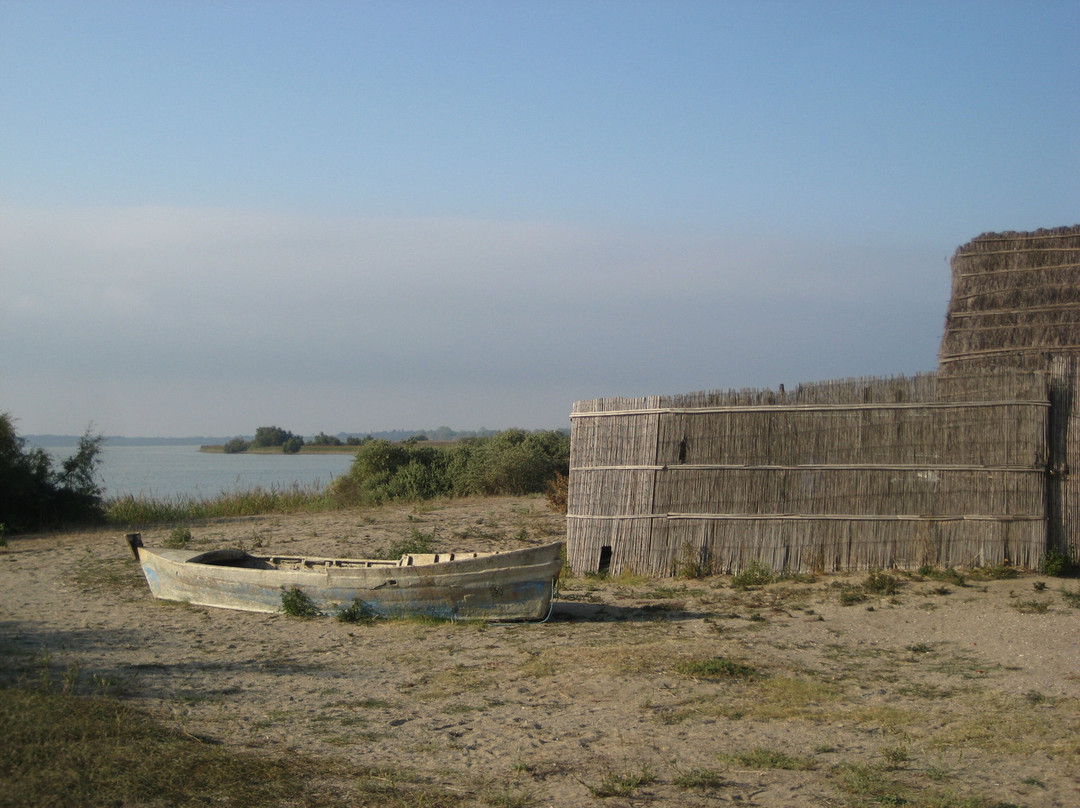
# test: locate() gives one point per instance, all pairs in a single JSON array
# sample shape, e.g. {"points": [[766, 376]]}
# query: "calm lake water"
{"points": [[163, 472]]}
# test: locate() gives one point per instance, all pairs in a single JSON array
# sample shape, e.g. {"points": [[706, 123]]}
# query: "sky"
{"points": [[360, 216]]}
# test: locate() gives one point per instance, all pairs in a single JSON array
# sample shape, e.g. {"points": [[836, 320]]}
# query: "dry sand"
{"points": [[939, 691]]}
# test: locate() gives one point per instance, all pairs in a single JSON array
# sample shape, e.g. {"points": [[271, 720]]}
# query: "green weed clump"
{"points": [[946, 575], [1071, 598], [700, 779], [715, 668], [621, 785], [849, 594], [297, 604], [762, 758], [999, 572], [755, 573], [178, 538], [1058, 563], [881, 583], [417, 543], [355, 612]]}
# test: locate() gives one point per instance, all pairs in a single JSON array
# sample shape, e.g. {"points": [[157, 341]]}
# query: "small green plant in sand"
{"points": [[869, 783], [355, 612], [947, 575], [297, 604], [998, 572], [621, 785], [1071, 598], [849, 594], [508, 797], [178, 538], [1032, 606], [700, 779], [755, 573], [762, 758], [417, 543], [881, 583], [896, 756], [715, 668]]}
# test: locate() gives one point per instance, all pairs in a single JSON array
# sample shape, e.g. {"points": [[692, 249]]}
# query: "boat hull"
{"points": [[508, 586]]}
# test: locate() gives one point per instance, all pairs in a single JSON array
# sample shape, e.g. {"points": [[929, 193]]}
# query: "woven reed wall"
{"points": [[971, 465], [1015, 309], [852, 474]]}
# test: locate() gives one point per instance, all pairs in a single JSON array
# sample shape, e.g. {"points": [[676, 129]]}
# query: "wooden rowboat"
{"points": [[499, 586]]}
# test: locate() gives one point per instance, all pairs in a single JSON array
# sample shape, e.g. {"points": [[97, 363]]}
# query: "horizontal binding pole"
{"points": [[1015, 270], [836, 517], [812, 517], [815, 467], [617, 516], [1020, 250], [1013, 310], [913, 405], [1035, 349]]}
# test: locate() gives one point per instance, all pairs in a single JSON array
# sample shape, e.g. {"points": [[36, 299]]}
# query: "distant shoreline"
{"points": [[219, 448]]}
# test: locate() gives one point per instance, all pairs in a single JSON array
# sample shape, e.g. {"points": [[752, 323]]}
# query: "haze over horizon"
{"points": [[360, 217]]}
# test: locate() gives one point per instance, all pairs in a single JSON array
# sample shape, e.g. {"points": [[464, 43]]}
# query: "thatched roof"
{"points": [[1015, 301]]}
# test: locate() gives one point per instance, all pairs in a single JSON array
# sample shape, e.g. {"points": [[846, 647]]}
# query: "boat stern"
{"points": [[134, 542]]}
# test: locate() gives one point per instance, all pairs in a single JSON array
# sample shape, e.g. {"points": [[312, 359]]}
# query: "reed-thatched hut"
{"points": [[965, 467], [1015, 308]]}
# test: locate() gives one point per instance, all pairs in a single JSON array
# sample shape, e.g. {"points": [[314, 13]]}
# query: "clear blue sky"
{"points": [[369, 215]]}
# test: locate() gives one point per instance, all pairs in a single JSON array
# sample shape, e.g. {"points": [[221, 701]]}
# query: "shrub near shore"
{"points": [[513, 462], [510, 462]]}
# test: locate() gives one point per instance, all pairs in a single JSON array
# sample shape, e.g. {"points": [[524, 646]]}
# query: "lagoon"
{"points": [[169, 472]]}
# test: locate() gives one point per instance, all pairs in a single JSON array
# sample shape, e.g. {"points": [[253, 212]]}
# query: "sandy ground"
{"points": [[964, 694]]}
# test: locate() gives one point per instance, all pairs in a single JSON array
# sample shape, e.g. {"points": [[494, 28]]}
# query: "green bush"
{"points": [[178, 538], [755, 573], [355, 612], [268, 436], [36, 495], [1058, 563], [235, 446], [881, 583], [295, 603], [322, 439], [510, 462]]}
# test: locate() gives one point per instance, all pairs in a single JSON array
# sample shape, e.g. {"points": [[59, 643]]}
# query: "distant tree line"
{"points": [[266, 437], [36, 495], [274, 436]]}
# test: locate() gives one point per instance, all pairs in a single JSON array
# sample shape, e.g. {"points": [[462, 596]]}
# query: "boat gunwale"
{"points": [[316, 563]]}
